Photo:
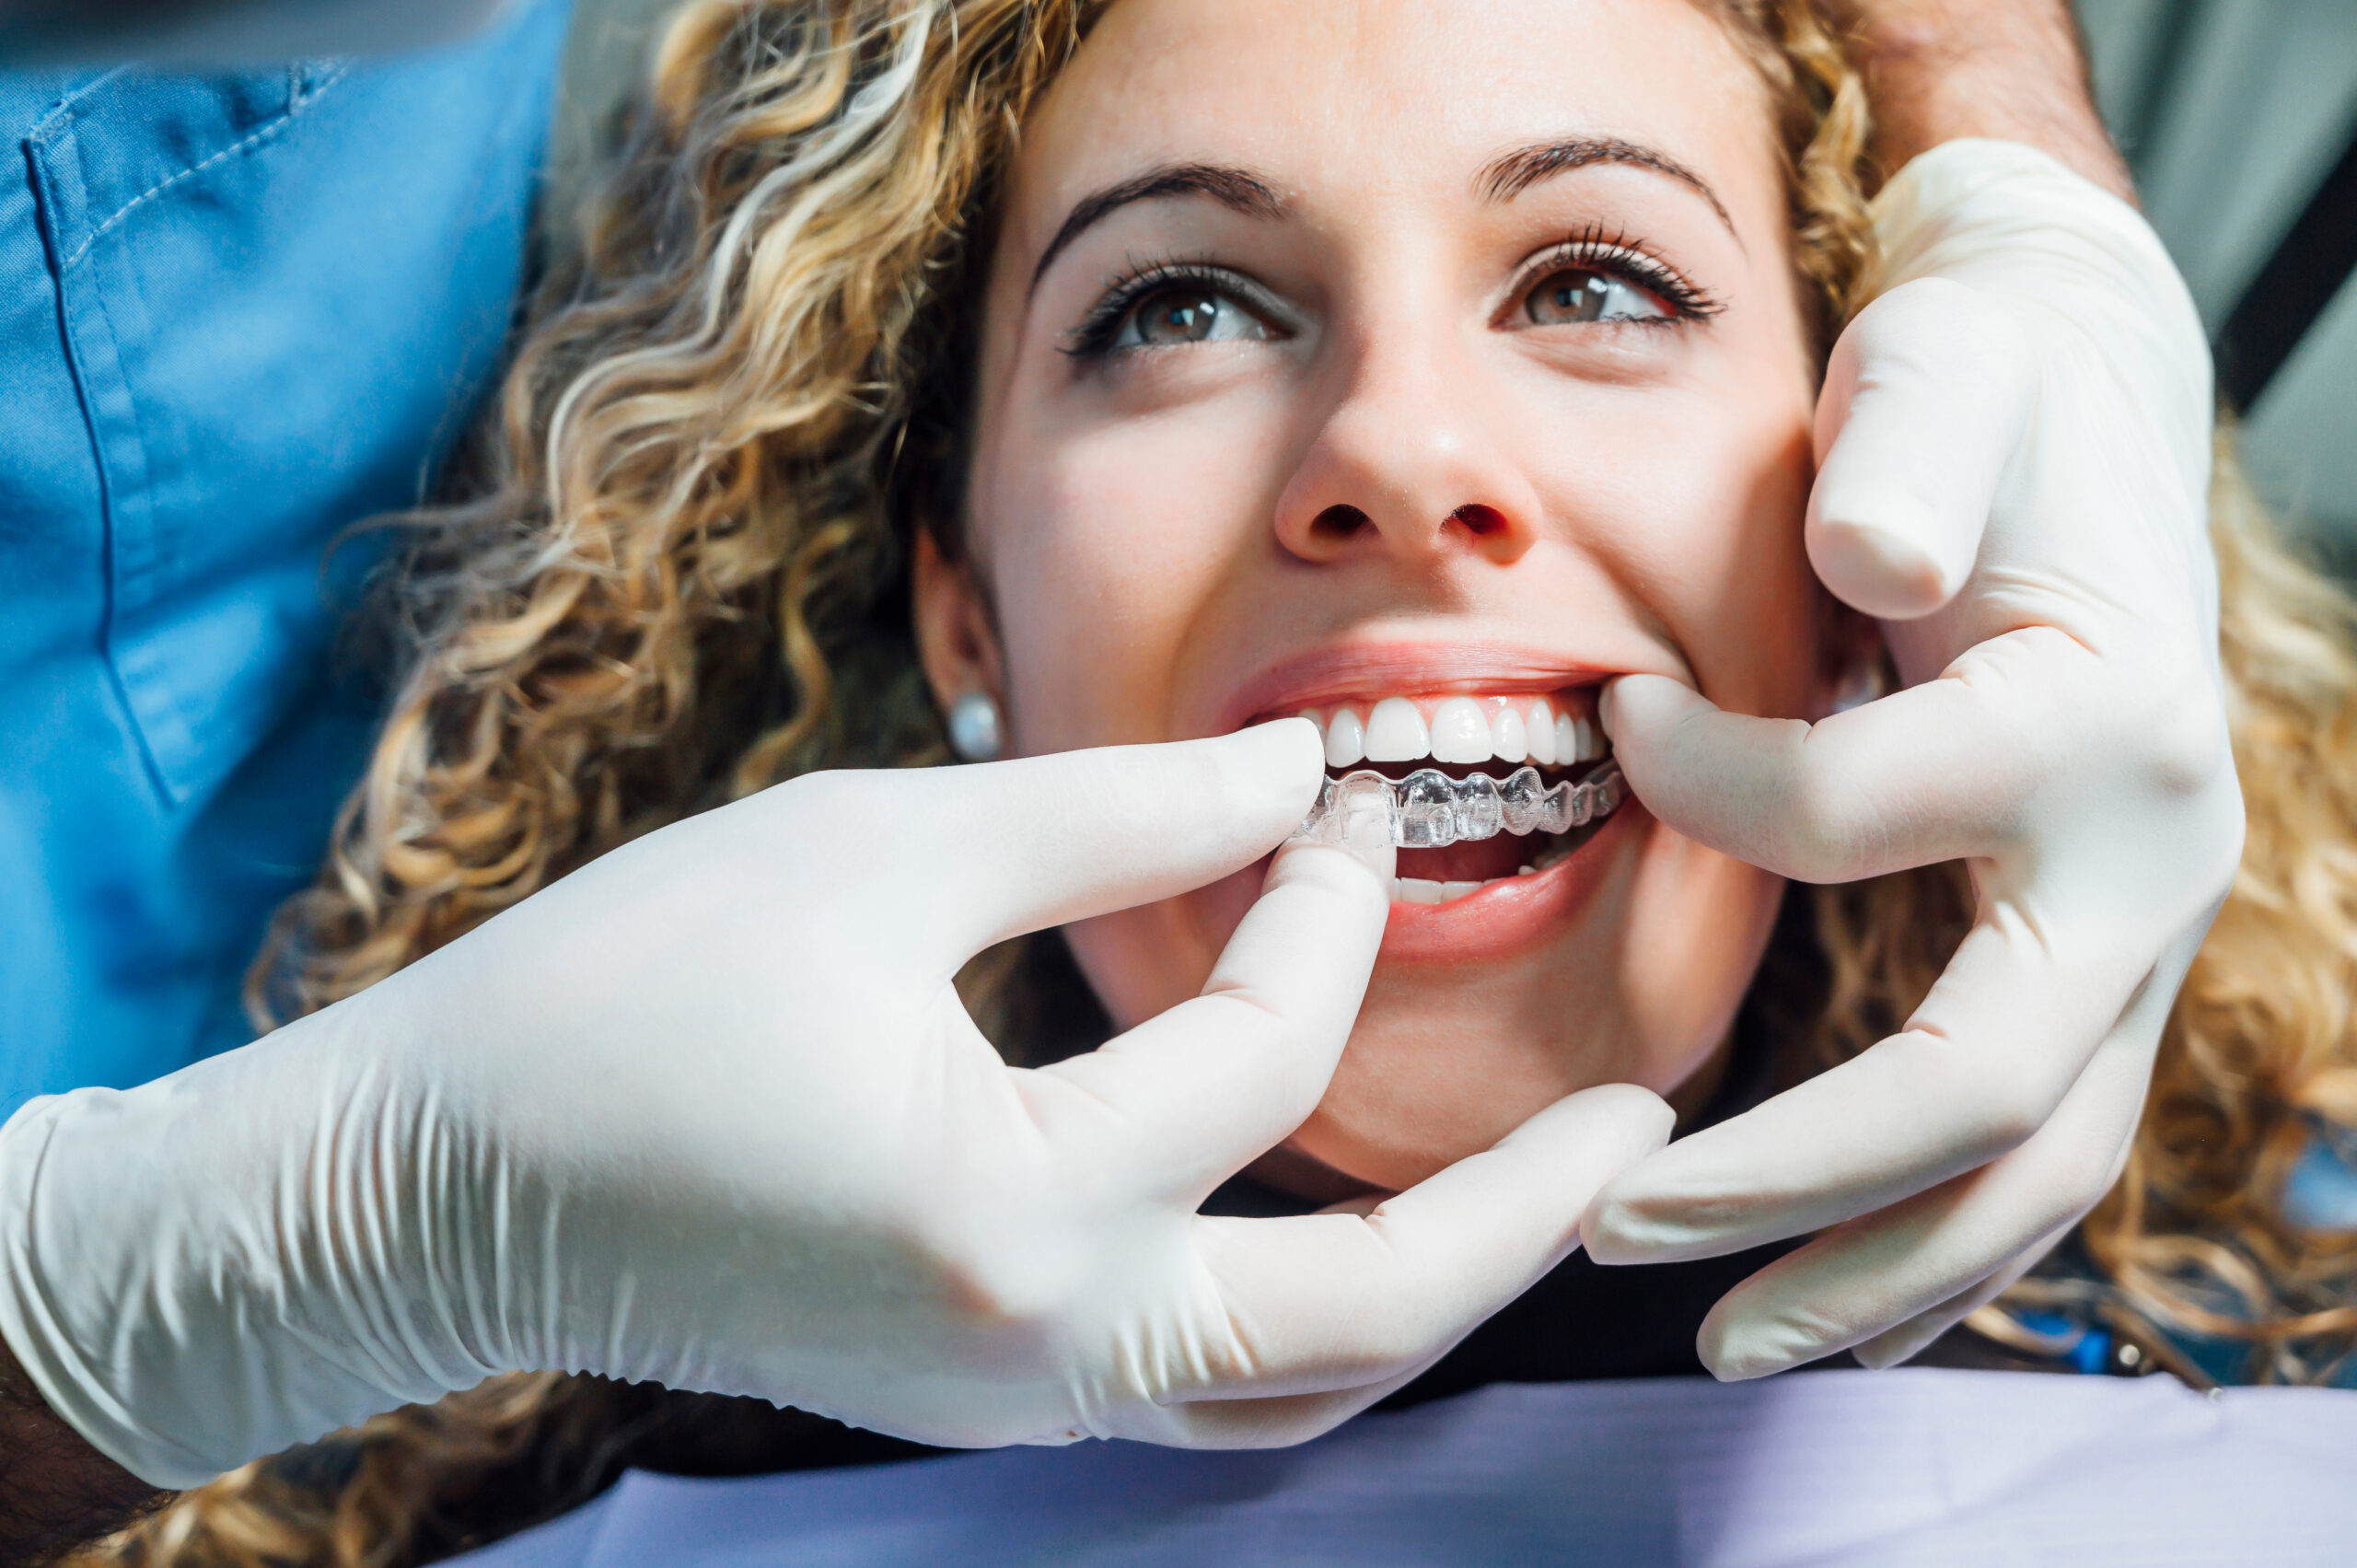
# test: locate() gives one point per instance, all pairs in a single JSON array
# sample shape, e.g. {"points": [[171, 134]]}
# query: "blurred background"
{"points": [[2238, 116]]}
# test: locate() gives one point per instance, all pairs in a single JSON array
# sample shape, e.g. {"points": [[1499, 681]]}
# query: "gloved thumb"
{"points": [[1920, 775], [1006, 848]]}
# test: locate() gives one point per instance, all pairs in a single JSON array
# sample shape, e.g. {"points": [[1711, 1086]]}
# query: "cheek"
{"points": [[1752, 613], [1109, 551], [1115, 551], [1147, 960], [1699, 515], [1696, 925]]}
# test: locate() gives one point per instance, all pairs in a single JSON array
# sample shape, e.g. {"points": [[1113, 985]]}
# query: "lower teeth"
{"points": [[1559, 848]]}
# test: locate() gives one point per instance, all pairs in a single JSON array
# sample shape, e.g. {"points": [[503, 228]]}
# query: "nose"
{"points": [[1405, 466]]}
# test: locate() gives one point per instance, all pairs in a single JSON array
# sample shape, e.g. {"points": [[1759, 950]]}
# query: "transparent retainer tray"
{"points": [[1428, 809]]}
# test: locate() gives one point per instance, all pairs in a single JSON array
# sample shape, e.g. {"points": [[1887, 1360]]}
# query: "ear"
{"points": [[957, 636]]}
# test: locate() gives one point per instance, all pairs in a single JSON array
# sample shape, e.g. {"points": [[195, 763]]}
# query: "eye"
{"points": [[1583, 293], [1172, 304], [1188, 313]]}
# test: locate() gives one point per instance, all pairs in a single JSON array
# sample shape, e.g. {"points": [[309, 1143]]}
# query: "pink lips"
{"points": [[1348, 671], [1515, 913]]}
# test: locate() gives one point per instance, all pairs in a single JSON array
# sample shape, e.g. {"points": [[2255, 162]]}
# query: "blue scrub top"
{"points": [[237, 314]]}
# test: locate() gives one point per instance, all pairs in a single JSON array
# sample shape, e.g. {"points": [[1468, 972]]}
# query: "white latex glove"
{"points": [[2014, 444], [709, 1113]]}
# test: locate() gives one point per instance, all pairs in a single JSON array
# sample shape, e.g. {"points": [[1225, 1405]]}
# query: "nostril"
{"points": [[1479, 521], [1338, 522]]}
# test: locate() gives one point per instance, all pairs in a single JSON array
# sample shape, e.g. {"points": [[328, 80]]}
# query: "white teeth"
{"points": [[1422, 890], [1460, 732], [1509, 737], [1345, 739], [1542, 736], [1396, 732]]}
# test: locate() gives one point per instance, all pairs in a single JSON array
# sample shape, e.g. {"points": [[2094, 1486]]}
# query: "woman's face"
{"points": [[1335, 354]]}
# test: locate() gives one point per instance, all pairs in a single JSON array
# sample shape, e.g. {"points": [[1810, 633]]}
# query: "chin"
{"points": [[1638, 980]]}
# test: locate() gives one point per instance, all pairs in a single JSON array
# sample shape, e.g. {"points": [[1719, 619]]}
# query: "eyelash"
{"points": [[1615, 254], [1618, 254]]}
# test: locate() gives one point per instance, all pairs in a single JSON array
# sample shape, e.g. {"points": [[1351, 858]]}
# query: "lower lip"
{"points": [[1511, 915]]}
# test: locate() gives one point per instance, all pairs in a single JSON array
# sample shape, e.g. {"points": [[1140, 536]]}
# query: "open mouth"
{"points": [[1478, 790]]}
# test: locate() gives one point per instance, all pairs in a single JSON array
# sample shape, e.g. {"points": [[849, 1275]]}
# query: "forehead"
{"points": [[1399, 100]]}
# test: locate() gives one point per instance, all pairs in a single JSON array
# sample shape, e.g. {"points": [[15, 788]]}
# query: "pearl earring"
{"points": [[973, 727]]}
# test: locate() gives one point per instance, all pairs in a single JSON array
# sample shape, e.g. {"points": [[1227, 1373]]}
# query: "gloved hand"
{"points": [[709, 1113], [2014, 443]]}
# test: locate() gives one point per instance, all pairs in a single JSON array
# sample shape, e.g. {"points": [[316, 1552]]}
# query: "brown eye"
{"points": [[1190, 314], [1581, 294]]}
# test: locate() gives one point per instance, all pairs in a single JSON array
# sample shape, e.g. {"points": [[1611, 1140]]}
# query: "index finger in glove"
{"points": [[1982, 1065], [1889, 1282], [1926, 397], [1341, 1301], [1939, 1248], [1185, 1099], [999, 849]]}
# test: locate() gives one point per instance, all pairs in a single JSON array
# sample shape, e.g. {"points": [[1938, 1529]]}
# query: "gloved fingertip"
{"points": [[1607, 705], [1292, 751], [1739, 1368], [1633, 708], [1883, 571], [1366, 835], [1366, 838], [1650, 1118], [1738, 1350], [1903, 1344], [1613, 1231], [1876, 1356]]}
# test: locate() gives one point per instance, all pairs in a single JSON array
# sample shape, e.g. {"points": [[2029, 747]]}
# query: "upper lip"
{"points": [[1362, 670]]}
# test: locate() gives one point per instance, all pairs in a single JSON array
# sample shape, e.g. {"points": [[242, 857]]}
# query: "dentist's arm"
{"points": [[2000, 70], [2014, 446], [56, 1491], [709, 1113]]}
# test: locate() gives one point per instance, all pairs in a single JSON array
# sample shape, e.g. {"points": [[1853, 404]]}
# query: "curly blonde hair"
{"points": [[683, 578]]}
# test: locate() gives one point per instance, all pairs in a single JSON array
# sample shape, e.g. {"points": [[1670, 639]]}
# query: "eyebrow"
{"points": [[1237, 188], [1511, 174]]}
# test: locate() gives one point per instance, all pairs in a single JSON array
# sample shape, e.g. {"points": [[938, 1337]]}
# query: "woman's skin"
{"points": [[1368, 469]]}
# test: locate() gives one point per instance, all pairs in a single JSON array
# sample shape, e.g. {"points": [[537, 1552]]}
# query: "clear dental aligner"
{"points": [[1429, 810]]}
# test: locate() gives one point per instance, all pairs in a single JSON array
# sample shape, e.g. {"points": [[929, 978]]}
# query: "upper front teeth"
{"points": [[1460, 729], [1394, 733], [1345, 737], [1460, 732]]}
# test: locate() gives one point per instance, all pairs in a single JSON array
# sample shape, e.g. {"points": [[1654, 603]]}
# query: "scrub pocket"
{"points": [[158, 210]]}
